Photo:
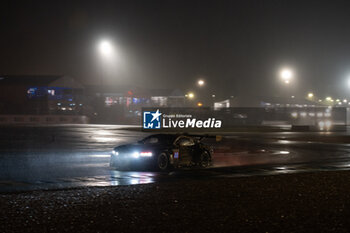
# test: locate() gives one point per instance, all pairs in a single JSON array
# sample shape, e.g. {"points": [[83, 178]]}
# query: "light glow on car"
{"points": [[146, 154], [136, 155]]}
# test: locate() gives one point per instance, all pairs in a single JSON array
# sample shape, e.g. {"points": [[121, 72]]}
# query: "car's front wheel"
{"points": [[163, 162]]}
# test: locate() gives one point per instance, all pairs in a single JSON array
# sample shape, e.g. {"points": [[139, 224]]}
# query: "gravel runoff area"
{"points": [[307, 202]]}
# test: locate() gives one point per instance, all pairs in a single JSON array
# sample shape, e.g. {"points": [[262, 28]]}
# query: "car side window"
{"points": [[151, 140], [185, 142]]}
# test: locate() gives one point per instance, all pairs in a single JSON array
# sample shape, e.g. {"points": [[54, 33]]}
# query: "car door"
{"points": [[186, 149]]}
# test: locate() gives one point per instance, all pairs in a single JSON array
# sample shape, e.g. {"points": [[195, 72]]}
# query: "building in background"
{"points": [[27, 96], [40, 94], [123, 104]]}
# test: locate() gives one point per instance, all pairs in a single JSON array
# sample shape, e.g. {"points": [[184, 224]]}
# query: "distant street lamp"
{"points": [[286, 75], [106, 49], [201, 82], [329, 100], [190, 95]]}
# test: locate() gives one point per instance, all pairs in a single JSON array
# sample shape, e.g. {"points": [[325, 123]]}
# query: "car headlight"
{"points": [[135, 154], [115, 152]]}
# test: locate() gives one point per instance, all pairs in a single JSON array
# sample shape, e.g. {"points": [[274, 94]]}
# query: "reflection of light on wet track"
{"points": [[114, 183], [105, 139], [116, 178], [103, 133], [243, 158], [125, 178], [281, 170], [91, 165], [98, 183], [284, 141], [100, 156], [134, 181]]}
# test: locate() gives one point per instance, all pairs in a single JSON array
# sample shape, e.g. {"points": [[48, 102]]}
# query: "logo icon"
{"points": [[151, 120]]}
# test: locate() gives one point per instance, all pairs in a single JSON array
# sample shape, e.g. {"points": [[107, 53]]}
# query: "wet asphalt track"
{"points": [[78, 155]]}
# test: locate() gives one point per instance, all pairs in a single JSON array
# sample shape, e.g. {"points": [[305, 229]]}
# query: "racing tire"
{"points": [[163, 162], [205, 160]]}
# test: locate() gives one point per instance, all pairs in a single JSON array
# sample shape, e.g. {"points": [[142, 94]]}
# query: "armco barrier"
{"points": [[43, 119]]}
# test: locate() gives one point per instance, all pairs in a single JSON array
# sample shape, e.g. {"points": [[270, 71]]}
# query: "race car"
{"points": [[162, 152]]}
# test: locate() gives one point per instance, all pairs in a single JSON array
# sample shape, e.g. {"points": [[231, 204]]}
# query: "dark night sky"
{"points": [[238, 46]]}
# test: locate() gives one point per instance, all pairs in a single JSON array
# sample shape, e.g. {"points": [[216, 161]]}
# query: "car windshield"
{"points": [[158, 139], [151, 140]]}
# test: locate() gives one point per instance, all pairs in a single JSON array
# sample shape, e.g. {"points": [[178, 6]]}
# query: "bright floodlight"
{"points": [[310, 95], [286, 75], [106, 48], [200, 82]]}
